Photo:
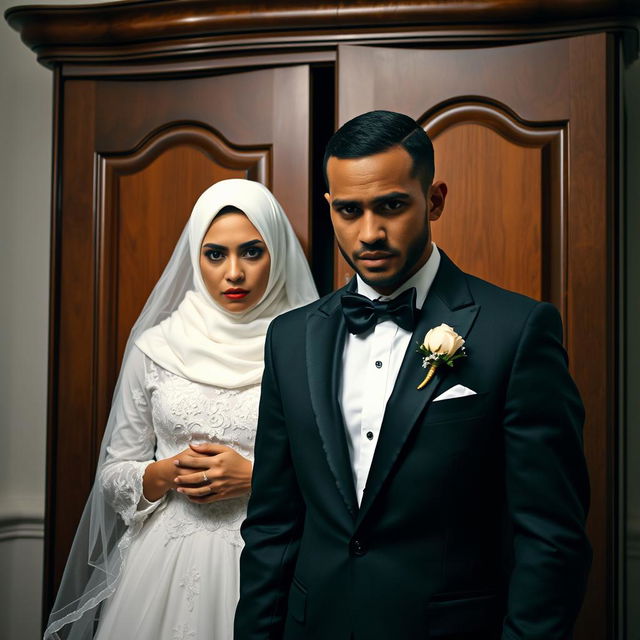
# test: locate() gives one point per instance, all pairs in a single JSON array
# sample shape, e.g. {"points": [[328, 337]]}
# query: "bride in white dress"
{"points": [[156, 555]]}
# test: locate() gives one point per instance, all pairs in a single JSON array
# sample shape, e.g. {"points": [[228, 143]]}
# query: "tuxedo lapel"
{"points": [[326, 333], [448, 301]]}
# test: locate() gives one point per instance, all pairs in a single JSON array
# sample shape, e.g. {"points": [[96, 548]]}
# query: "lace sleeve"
{"points": [[131, 447]]}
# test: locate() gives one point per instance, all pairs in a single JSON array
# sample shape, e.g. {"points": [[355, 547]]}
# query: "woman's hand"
{"points": [[228, 473], [159, 477]]}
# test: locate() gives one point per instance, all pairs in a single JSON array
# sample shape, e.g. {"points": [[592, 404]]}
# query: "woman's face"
{"points": [[234, 262]]}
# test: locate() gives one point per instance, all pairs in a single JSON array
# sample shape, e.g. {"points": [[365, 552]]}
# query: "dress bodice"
{"points": [[163, 414], [184, 412]]}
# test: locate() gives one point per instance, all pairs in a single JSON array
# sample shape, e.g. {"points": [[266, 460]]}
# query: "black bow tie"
{"points": [[362, 314]]}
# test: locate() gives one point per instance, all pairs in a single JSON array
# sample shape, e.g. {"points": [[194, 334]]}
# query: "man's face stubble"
{"points": [[380, 214]]}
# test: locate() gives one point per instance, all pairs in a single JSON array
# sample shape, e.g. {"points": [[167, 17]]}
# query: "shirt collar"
{"points": [[421, 280]]}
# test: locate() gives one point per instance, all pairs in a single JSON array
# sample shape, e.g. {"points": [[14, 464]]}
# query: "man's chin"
{"points": [[381, 279]]}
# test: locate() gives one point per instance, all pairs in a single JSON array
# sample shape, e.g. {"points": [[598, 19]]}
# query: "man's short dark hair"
{"points": [[378, 131]]}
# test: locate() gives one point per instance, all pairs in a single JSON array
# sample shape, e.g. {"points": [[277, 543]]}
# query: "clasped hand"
{"points": [[204, 473]]}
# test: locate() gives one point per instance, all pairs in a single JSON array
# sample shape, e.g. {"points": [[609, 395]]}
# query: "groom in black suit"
{"points": [[382, 511]]}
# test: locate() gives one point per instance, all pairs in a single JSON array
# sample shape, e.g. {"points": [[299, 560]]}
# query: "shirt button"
{"points": [[378, 364], [369, 435]]}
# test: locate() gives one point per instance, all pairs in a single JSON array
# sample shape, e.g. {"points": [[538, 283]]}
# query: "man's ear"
{"points": [[327, 197], [437, 195]]}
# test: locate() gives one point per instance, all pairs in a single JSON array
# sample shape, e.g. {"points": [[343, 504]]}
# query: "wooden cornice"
{"points": [[135, 31]]}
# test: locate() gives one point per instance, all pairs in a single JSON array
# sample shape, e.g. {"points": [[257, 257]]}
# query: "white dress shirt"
{"points": [[370, 365]]}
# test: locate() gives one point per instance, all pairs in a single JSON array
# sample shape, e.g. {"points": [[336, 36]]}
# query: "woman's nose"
{"points": [[234, 270]]}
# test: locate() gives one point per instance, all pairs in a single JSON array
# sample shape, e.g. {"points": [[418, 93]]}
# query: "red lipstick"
{"points": [[235, 294]]}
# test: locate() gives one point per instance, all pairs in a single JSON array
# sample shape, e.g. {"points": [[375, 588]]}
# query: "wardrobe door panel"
{"points": [[521, 139], [136, 153], [500, 145]]}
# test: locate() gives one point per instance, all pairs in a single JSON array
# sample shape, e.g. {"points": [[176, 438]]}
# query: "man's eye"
{"points": [[393, 205], [349, 211]]}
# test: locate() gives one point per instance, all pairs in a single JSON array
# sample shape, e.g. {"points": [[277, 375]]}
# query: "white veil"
{"points": [[178, 314]]}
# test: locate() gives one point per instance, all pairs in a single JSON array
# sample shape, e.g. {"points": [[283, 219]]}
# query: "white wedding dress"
{"points": [[180, 575]]}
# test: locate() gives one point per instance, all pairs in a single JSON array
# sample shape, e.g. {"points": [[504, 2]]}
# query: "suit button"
{"points": [[357, 548]]}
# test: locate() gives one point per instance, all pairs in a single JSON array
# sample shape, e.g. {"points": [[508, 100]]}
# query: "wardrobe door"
{"points": [[521, 139], [134, 154]]}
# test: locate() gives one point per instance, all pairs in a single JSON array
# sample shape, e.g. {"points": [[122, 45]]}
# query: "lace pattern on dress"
{"points": [[183, 632], [122, 483], [184, 412], [181, 412], [190, 582], [182, 518]]}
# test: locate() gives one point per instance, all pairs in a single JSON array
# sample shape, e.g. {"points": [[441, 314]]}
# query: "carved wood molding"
{"points": [[255, 160], [143, 30], [110, 168], [551, 139]]}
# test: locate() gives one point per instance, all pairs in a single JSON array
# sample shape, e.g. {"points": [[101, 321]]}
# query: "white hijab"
{"points": [[202, 341]]}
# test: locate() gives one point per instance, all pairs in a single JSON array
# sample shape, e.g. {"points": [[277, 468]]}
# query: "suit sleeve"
{"points": [[547, 485], [272, 529]]}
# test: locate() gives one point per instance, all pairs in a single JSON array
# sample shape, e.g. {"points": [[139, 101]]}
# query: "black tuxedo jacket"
{"points": [[472, 520]]}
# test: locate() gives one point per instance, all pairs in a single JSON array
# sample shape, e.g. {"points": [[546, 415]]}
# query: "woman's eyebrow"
{"points": [[221, 247], [215, 247], [250, 243]]}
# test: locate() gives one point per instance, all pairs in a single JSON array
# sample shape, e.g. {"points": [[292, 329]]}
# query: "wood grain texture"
{"points": [[134, 156], [164, 28], [505, 214], [528, 80], [144, 200], [493, 222], [503, 109], [540, 108], [50, 506], [73, 319], [591, 323], [226, 103], [528, 158]]}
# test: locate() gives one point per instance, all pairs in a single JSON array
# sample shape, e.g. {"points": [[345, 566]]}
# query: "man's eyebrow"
{"points": [[344, 203], [394, 195]]}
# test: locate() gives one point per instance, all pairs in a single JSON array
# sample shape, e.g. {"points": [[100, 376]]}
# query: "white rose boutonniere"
{"points": [[442, 345]]}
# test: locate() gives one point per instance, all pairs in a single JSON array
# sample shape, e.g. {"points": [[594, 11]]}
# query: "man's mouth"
{"points": [[374, 257], [235, 294]]}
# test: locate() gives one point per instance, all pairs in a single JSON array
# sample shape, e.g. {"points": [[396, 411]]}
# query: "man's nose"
{"points": [[235, 272], [371, 228]]}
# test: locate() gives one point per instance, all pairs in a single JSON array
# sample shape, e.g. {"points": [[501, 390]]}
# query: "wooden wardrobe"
{"points": [[156, 100]]}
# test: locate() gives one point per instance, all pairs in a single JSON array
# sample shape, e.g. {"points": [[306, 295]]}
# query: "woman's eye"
{"points": [[253, 252], [213, 255]]}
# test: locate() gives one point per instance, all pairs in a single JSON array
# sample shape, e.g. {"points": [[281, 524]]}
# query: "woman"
{"points": [[157, 550]]}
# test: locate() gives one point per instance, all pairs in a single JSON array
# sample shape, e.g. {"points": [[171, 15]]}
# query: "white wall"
{"points": [[25, 177]]}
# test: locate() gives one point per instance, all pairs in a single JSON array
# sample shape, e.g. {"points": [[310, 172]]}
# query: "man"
{"points": [[380, 510]]}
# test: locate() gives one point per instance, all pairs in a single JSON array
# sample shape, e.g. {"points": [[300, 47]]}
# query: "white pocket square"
{"points": [[459, 391]]}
